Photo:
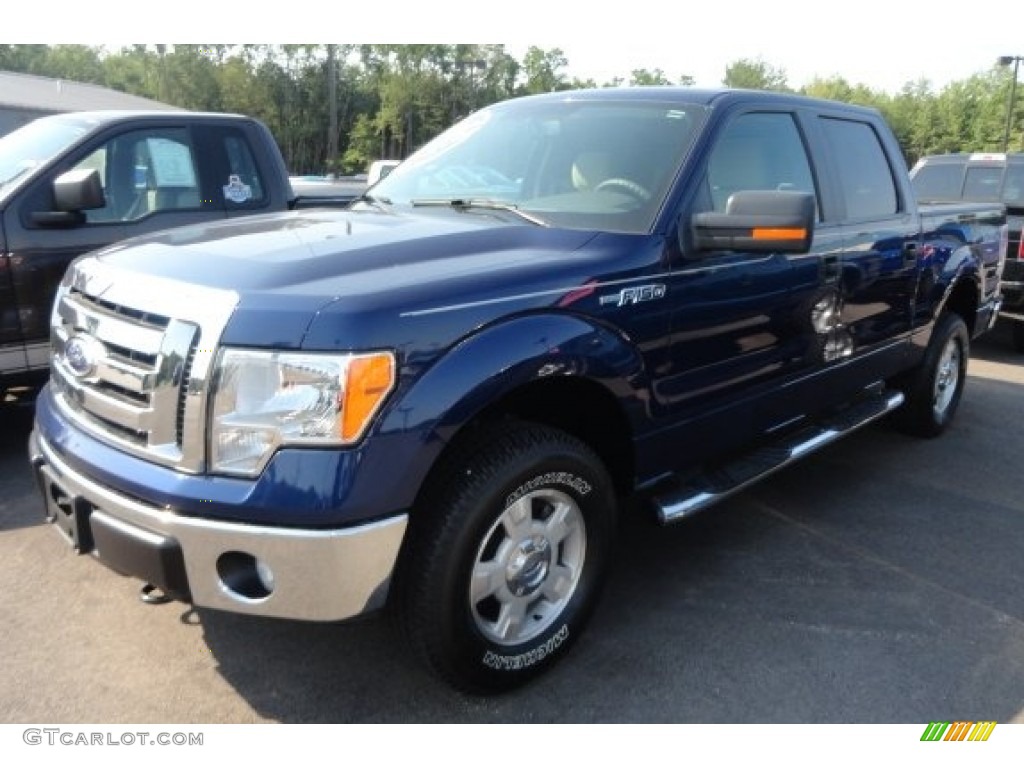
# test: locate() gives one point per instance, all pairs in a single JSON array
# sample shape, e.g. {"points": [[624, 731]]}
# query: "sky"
{"points": [[881, 43]]}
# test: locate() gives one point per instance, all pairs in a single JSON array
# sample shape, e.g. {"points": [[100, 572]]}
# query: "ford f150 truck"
{"points": [[984, 177], [435, 400], [76, 182]]}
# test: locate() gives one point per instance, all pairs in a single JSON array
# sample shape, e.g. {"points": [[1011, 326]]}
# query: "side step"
{"points": [[683, 498]]}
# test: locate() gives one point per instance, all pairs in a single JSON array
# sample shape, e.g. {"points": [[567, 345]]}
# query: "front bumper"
{"points": [[311, 574]]}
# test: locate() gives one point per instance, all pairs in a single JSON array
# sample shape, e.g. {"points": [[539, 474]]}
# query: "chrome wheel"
{"points": [[947, 377], [505, 557], [527, 567]]}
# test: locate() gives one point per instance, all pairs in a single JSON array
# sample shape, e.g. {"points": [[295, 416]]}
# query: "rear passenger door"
{"points": [[880, 233]]}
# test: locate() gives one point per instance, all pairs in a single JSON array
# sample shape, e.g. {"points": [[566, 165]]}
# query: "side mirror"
{"points": [[759, 221], [73, 192], [78, 190]]}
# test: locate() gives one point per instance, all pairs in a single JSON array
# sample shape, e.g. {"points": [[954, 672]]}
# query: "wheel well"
{"points": [[964, 302], [576, 406]]}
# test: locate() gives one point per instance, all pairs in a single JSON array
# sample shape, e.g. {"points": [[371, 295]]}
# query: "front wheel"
{"points": [[934, 389], [506, 556]]}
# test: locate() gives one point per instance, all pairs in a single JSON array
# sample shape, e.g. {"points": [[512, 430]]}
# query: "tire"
{"points": [[1018, 335], [506, 555], [933, 390]]}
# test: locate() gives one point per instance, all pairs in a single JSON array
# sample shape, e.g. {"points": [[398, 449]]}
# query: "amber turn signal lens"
{"points": [[369, 381], [768, 233]]}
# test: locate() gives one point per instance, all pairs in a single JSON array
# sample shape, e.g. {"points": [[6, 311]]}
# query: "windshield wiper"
{"points": [[378, 202], [469, 204]]}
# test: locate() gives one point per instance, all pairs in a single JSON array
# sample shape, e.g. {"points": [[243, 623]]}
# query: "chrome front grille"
{"points": [[127, 367]]}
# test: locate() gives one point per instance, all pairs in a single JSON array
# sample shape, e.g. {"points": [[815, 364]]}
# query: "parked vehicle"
{"points": [[72, 183], [435, 400], [984, 177]]}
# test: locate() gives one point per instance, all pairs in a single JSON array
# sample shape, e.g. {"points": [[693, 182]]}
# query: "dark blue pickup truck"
{"points": [[435, 401]]}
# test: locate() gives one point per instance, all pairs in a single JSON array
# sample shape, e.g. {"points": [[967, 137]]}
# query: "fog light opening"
{"points": [[242, 575]]}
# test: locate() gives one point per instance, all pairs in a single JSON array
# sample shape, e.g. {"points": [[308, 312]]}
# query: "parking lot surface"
{"points": [[879, 581]]}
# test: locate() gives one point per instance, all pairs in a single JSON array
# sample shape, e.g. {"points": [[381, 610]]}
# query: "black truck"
{"points": [[984, 177], [435, 401], [76, 182]]}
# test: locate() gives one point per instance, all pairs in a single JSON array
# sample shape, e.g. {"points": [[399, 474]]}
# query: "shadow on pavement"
{"points": [[997, 346], [19, 505]]}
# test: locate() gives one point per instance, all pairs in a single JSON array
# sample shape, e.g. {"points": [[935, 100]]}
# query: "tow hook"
{"points": [[153, 595]]}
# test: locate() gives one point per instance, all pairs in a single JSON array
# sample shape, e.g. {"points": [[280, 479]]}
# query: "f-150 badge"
{"points": [[635, 295]]}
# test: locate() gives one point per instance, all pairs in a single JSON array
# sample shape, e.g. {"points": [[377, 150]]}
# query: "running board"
{"points": [[683, 498]]}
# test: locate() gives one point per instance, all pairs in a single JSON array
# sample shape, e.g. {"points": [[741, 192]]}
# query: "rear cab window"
{"points": [[244, 186]]}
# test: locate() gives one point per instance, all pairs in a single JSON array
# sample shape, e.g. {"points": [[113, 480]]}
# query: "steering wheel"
{"points": [[626, 186]]}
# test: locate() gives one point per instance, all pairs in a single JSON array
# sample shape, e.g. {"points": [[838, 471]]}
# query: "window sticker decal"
{"points": [[236, 191], [171, 163]]}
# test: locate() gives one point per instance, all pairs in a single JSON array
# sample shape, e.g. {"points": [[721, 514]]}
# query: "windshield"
{"points": [[584, 164], [32, 146]]}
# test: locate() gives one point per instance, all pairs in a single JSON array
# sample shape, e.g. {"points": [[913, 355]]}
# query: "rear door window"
{"points": [[865, 176]]}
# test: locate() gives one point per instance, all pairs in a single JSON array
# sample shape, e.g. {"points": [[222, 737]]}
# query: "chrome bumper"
{"points": [[317, 575]]}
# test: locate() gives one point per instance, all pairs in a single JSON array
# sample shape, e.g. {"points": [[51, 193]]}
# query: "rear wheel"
{"points": [[506, 556], [934, 389]]}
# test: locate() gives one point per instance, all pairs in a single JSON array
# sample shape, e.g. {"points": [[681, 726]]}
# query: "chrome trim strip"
{"points": [[319, 575], [109, 328], [38, 355], [99, 404], [12, 360]]}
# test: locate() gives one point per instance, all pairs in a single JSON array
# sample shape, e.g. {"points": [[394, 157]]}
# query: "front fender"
{"points": [[494, 362]]}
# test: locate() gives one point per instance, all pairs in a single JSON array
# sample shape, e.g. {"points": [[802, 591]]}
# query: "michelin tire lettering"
{"points": [[581, 486], [528, 659]]}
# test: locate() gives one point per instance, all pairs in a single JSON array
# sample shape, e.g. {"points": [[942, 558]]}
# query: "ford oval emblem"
{"points": [[82, 353]]}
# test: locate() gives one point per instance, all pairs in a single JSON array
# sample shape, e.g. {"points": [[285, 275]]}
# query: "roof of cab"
{"points": [[711, 97]]}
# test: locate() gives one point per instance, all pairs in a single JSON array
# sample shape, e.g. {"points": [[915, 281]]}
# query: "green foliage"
{"points": [[542, 70], [648, 77], [756, 74], [391, 99]]}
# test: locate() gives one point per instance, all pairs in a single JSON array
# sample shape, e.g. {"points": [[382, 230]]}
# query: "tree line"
{"points": [[335, 108]]}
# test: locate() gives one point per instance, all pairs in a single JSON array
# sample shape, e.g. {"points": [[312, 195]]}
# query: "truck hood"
{"points": [[288, 268]]}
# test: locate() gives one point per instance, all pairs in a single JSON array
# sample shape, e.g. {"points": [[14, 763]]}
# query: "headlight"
{"points": [[263, 400]]}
